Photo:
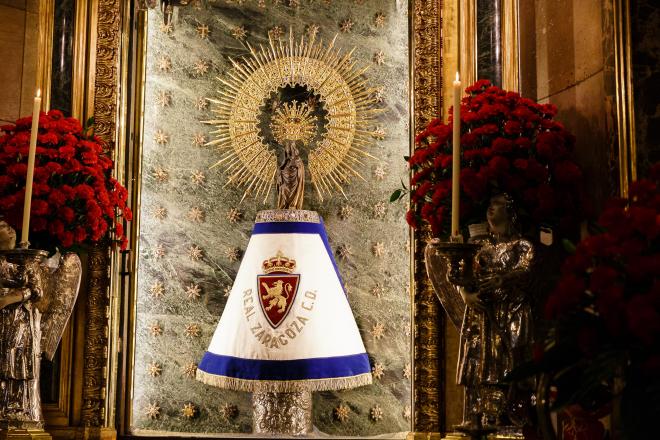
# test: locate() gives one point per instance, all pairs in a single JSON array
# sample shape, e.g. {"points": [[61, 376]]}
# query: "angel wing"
{"points": [[60, 293], [447, 293]]}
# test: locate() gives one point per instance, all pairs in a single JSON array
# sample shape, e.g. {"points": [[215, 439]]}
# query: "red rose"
{"points": [[645, 220], [521, 164], [67, 239], [67, 214], [549, 110], [568, 292], [567, 172], [441, 192], [18, 170], [67, 152], [512, 127], [442, 161], [523, 143], [427, 211], [39, 207], [411, 220], [423, 189], [473, 185], [499, 165], [502, 145], [48, 138], [469, 140]]}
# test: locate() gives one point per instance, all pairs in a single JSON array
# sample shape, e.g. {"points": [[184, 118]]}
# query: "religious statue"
{"points": [[497, 323], [290, 178], [292, 122], [37, 295]]}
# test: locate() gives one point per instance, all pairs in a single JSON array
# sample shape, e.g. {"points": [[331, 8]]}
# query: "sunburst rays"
{"points": [[324, 70]]}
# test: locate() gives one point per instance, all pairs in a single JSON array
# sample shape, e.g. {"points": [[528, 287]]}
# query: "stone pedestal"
{"points": [[282, 413]]}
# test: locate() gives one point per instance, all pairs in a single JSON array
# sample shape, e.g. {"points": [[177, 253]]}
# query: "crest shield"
{"points": [[277, 291]]}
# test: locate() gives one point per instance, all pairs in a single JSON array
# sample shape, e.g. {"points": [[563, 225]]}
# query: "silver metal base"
{"points": [[282, 413]]}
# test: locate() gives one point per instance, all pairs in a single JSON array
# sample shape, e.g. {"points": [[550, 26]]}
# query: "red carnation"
{"points": [[75, 197], [508, 143], [499, 165], [567, 172], [502, 145]]}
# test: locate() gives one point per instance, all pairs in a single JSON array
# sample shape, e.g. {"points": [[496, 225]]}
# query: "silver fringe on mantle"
{"points": [[284, 386]]}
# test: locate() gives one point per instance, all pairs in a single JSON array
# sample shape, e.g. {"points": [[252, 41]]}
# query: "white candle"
{"points": [[456, 159], [30, 169]]}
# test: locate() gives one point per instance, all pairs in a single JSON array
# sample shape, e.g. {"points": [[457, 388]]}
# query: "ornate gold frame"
{"points": [[428, 317], [428, 329]]}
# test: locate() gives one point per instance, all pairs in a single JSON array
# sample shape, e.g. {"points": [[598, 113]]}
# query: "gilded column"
{"points": [[428, 339], [103, 88]]}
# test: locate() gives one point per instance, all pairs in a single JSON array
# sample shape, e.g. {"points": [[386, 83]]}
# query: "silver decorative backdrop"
{"points": [[193, 227]]}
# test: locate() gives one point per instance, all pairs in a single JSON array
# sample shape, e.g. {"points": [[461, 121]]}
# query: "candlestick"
{"points": [[456, 159], [30, 170]]}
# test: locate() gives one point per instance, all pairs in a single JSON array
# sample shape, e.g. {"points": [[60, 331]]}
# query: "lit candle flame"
{"points": [[457, 77], [38, 93]]}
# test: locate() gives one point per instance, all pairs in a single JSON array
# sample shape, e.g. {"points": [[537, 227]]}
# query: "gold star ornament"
{"points": [[342, 412], [378, 330], [154, 369], [189, 411], [193, 331], [203, 31], [190, 369], [239, 32], [376, 413], [228, 411], [152, 411], [155, 329], [378, 371]]}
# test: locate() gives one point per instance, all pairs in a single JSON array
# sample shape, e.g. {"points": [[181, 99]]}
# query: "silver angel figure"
{"points": [[36, 299], [497, 325]]}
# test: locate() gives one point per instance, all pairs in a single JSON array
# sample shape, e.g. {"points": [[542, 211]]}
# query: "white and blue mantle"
{"points": [[316, 346]]}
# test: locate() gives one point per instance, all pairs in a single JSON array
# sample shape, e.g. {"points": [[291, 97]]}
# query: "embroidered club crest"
{"points": [[277, 288]]}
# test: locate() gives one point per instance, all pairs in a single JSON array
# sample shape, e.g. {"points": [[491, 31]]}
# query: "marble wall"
{"points": [[489, 40], [62, 62], [19, 35], [567, 59], [193, 227]]}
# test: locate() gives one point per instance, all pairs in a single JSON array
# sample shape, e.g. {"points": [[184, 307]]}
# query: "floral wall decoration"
{"points": [[194, 227]]}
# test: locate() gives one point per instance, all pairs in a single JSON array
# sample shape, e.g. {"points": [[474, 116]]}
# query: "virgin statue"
{"points": [[290, 178]]}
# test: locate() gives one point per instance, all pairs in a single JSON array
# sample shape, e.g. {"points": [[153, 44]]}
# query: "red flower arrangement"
{"points": [[508, 144], [614, 274], [603, 339], [75, 199]]}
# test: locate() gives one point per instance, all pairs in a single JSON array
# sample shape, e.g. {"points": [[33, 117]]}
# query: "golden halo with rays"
{"points": [[325, 71]]}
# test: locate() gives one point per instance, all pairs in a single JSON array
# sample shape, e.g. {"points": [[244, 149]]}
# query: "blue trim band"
{"points": [[297, 369], [288, 228], [300, 228]]}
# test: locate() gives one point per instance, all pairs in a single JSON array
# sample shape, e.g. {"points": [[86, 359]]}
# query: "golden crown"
{"points": [[293, 122], [279, 263]]}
